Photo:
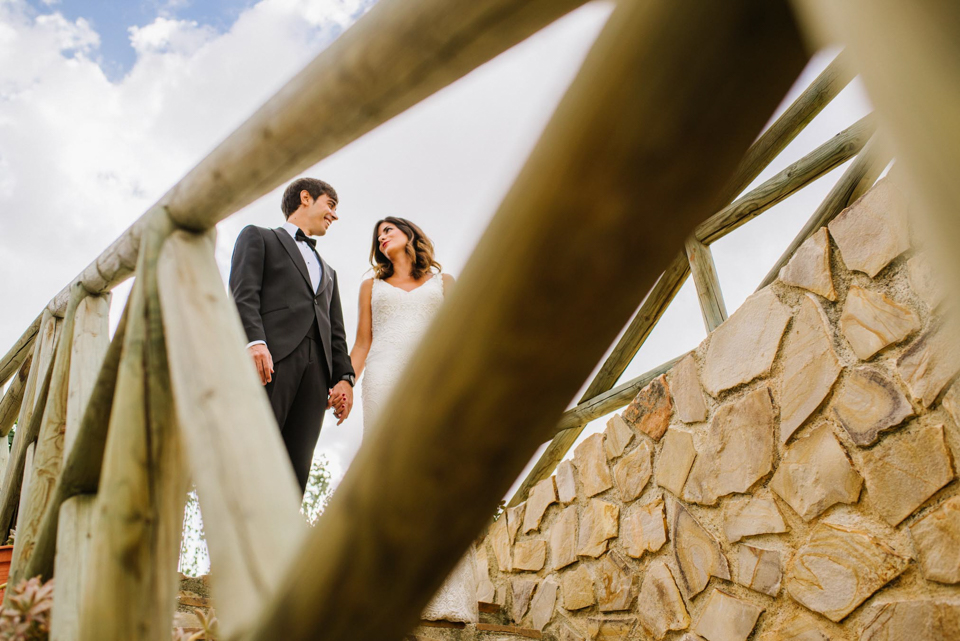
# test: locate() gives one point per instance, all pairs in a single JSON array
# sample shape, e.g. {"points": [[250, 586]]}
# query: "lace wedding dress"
{"points": [[400, 318]]}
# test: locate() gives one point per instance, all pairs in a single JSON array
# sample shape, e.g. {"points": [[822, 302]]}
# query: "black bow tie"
{"points": [[310, 241]]}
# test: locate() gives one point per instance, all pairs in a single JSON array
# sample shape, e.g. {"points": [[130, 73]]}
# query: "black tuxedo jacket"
{"points": [[273, 293]]}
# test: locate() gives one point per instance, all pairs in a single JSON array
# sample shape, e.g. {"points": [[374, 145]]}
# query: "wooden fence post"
{"points": [[84, 462], [48, 455], [131, 580], [245, 483], [74, 538], [91, 340], [28, 422]]}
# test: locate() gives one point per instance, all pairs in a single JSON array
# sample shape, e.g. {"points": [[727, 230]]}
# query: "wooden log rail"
{"points": [[799, 174]]}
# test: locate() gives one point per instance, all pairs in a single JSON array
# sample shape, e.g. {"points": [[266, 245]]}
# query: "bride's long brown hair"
{"points": [[419, 248]]}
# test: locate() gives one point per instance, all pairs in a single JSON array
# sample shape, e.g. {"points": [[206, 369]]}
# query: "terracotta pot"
{"points": [[6, 553]]}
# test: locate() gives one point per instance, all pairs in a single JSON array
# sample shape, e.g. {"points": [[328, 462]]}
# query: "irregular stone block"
{"points": [[802, 627], [618, 435], [744, 346], [810, 367], [633, 472], [675, 460], [514, 516], [738, 450], [925, 281], [599, 523], [905, 470], [872, 231], [644, 529], [929, 364], [486, 591], [928, 619], [577, 588], [650, 410], [610, 628], [937, 540], [749, 516], [542, 496], [837, 568], [759, 569], [563, 537], [566, 482], [871, 321], [661, 606], [522, 591], [591, 462], [810, 266], [529, 555], [685, 388], [727, 618], [697, 554], [500, 542], [544, 603], [567, 634], [815, 474], [951, 402], [868, 403], [613, 583]]}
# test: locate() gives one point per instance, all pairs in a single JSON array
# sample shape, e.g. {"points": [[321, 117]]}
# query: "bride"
{"points": [[396, 307]]}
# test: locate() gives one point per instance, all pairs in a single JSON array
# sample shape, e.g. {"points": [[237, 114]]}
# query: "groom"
{"points": [[289, 303]]}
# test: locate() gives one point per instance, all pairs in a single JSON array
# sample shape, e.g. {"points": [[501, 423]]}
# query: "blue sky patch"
{"points": [[112, 21]]}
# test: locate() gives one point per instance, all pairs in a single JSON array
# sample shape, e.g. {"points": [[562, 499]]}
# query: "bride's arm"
{"points": [[361, 346]]}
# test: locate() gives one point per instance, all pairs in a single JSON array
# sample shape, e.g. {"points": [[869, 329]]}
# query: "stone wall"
{"points": [[792, 478]]}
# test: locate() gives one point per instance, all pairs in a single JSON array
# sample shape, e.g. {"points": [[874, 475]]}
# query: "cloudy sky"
{"points": [[105, 105]]}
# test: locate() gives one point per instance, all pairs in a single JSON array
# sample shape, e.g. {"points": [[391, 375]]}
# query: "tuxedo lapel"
{"points": [[293, 251], [326, 278]]}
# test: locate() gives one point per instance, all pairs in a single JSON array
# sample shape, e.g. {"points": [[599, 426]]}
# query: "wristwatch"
{"points": [[350, 378]]}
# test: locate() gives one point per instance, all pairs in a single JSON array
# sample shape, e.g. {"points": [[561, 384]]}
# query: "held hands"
{"points": [[341, 400], [263, 361]]}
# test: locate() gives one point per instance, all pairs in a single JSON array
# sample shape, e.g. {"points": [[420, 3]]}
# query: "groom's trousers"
{"points": [[298, 396]]}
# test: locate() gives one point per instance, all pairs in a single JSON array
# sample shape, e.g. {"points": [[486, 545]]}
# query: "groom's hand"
{"points": [[341, 399], [263, 361]]}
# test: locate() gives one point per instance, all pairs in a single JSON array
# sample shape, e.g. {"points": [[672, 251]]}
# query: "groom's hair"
{"points": [[314, 186]]}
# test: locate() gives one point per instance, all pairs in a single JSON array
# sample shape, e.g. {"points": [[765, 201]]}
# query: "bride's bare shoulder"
{"points": [[448, 281]]}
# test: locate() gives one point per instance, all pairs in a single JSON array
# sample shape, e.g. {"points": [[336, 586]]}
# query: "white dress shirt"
{"points": [[309, 257]]}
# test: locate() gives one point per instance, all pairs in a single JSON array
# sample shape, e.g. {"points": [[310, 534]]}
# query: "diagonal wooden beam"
{"points": [[854, 182], [705, 278], [454, 436], [13, 397], [774, 139], [380, 67], [15, 356], [611, 400], [791, 122], [822, 160]]}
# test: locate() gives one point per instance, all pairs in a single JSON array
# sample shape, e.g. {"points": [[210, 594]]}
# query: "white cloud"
{"points": [[165, 35]]}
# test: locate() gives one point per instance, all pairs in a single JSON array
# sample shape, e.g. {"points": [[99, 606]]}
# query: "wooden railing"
{"points": [[645, 142]]}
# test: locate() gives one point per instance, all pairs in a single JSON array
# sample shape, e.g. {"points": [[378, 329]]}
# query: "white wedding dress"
{"points": [[400, 319]]}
